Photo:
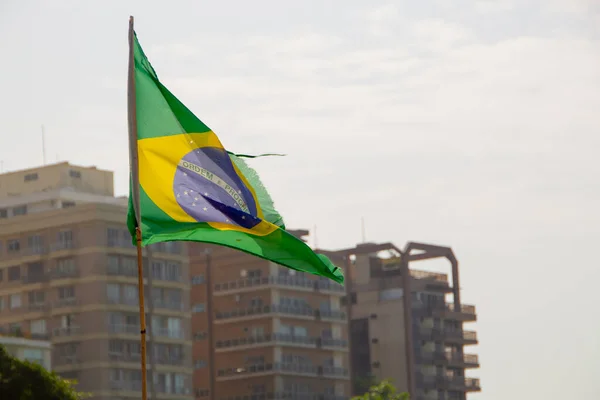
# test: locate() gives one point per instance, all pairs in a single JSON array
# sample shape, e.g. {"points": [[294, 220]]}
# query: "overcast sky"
{"points": [[472, 124]]}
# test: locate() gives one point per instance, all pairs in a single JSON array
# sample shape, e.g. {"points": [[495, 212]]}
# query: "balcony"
{"points": [[464, 361], [266, 311], [284, 369], [280, 339], [67, 331], [62, 246], [168, 333], [286, 396], [466, 313], [124, 329], [168, 305], [35, 251], [336, 372], [65, 273], [424, 357], [125, 357], [455, 383], [34, 278], [39, 307], [68, 302], [266, 340], [292, 282], [132, 386], [447, 335]]}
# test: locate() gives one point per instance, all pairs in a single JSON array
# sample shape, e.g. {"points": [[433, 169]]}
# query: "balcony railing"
{"points": [[334, 371], [124, 328], [465, 358], [169, 305], [415, 273], [34, 278], [281, 338], [286, 396], [134, 386], [168, 333], [464, 308], [67, 331], [293, 368], [59, 246], [289, 281], [65, 273], [277, 309], [68, 302], [35, 251], [446, 334], [451, 382], [38, 306]]}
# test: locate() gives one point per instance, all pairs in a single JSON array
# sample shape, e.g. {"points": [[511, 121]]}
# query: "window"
{"points": [[113, 262], [199, 364], [3, 213], [31, 177], [13, 246], [33, 355], [1, 274], [253, 360], [256, 302], [257, 331], [200, 307], [115, 347], [14, 273], [293, 302], [37, 297], [113, 292], [112, 237], [200, 335], [38, 327], [1, 303], [172, 247], [257, 389], [197, 279], [67, 204], [66, 292], [202, 392], [254, 273], [129, 266], [35, 270], [74, 174], [20, 210], [131, 294], [35, 243], [15, 301], [390, 294], [65, 238], [65, 266], [173, 271]]}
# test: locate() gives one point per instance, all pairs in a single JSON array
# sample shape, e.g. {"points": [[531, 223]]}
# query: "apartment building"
{"points": [[27, 348], [418, 340], [262, 331], [68, 272]]}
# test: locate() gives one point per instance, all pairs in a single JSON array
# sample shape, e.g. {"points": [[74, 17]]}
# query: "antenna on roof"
{"points": [[315, 241], [44, 144]]}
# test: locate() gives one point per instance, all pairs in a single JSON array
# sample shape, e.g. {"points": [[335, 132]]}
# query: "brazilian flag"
{"points": [[192, 189]]}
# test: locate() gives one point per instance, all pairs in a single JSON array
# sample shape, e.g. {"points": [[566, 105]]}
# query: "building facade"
{"points": [[27, 348], [417, 341], [68, 272], [262, 331]]}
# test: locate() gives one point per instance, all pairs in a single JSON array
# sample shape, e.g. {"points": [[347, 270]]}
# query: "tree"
{"points": [[23, 380], [383, 391]]}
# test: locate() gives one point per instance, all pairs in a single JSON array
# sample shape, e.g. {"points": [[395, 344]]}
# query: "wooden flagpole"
{"points": [[135, 182]]}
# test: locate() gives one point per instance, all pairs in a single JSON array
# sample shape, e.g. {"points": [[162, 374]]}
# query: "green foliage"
{"points": [[382, 391], [22, 380]]}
